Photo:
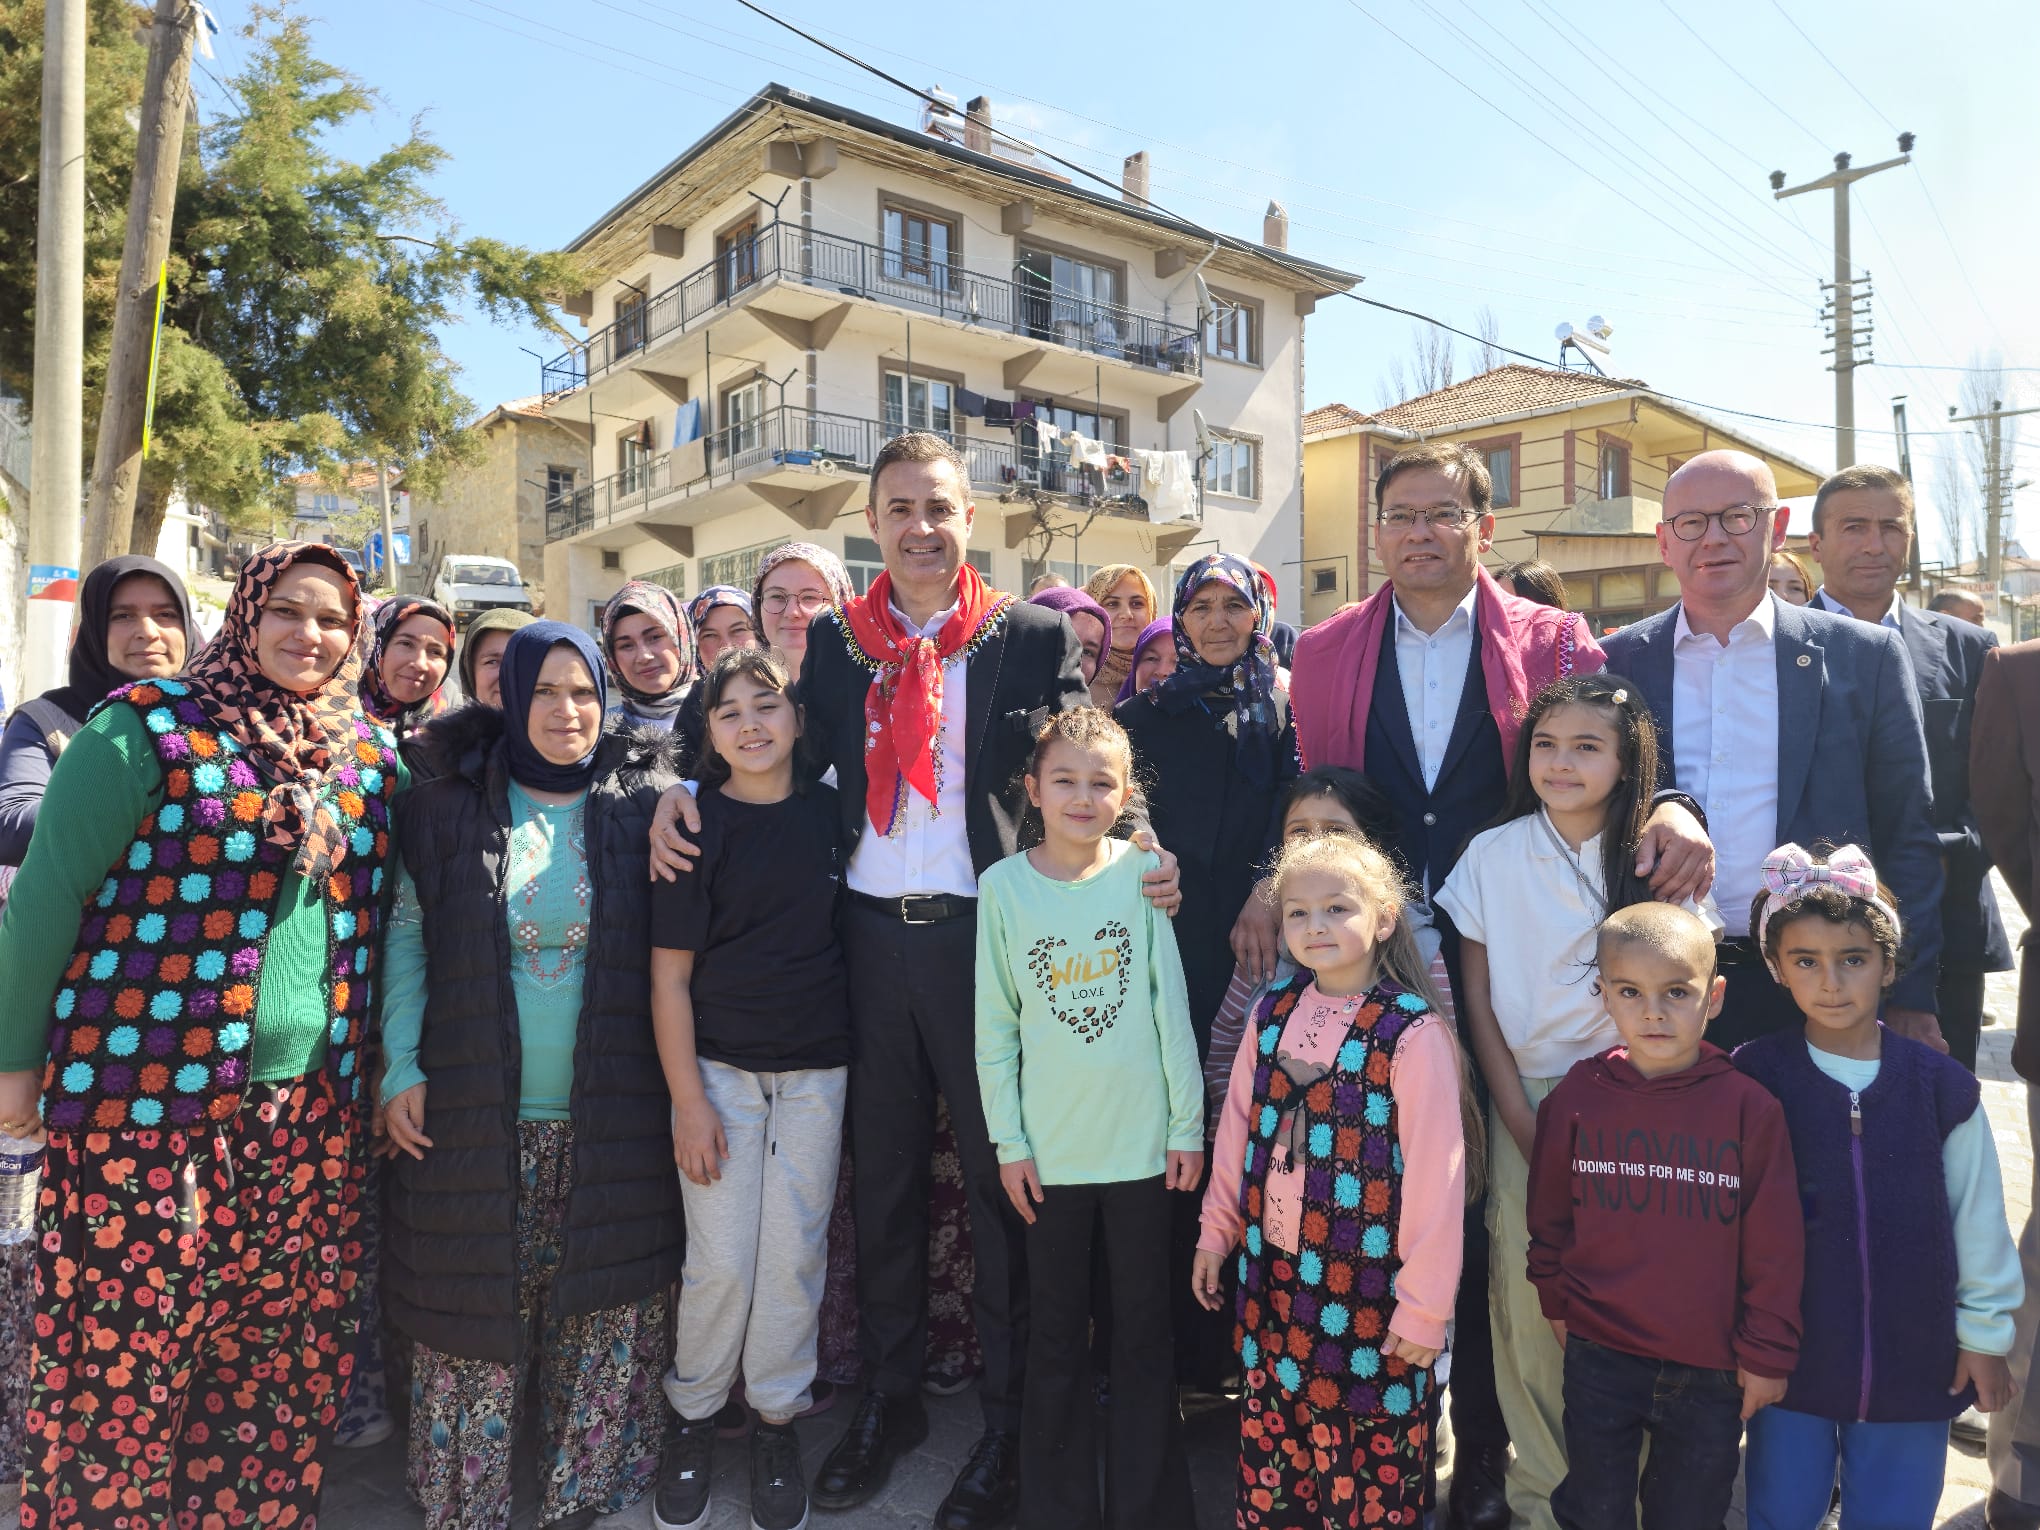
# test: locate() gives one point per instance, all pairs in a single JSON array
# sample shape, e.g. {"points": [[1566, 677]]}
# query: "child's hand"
{"points": [[1558, 1330], [699, 1146], [1184, 1171], [1021, 1181], [1989, 1374], [1417, 1354], [1204, 1270], [1758, 1392]]}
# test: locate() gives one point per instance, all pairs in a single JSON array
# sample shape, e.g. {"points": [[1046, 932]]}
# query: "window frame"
{"points": [[1513, 445], [1240, 438], [732, 278], [1254, 311], [953, 381], [1605, 444], [905, 208]]}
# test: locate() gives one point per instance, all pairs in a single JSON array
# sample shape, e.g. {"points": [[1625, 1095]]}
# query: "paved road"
{"points": [[366, 1489]]}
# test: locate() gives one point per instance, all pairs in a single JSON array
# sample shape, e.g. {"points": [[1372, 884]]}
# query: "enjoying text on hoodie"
{"points": [[1664, 1214]]}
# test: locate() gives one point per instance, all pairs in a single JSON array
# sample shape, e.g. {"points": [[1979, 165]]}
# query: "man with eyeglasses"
{"points": [[1788, 723], [1422, 686], [1862, 534]]}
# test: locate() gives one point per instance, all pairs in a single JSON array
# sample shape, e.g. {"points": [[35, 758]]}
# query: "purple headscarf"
{"points": [[1157, 629], [1074, 603]]}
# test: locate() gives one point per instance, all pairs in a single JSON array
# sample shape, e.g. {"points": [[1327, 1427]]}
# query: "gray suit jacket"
{"points": [[1852, 756]]}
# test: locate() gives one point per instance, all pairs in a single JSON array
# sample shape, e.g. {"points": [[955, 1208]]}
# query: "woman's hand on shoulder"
{"points": [[1163, 886], [21, 1104], [700, 1147], [671, 853], [404, 1119]]}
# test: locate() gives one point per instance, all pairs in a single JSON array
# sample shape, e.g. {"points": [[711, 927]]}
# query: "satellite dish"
{"points": [[1600, 327], [1205, 303], [1203, 432], [1563, 333]]}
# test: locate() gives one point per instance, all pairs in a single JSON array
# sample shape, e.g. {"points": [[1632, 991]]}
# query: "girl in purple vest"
{"points": [[1340, 1165], [1911, 1276]]}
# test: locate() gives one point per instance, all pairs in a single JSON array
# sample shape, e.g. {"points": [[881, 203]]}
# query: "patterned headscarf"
{"points": [[402, 718], [717, 595], [1249, 680], [820, 559], [292, 738], [639, 598]]}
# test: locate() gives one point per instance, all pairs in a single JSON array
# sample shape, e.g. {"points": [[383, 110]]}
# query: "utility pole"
{"points": [[59, 421], [152, 198], [1843, 299], [1997, 498], [1913, 581], [389, 535]]}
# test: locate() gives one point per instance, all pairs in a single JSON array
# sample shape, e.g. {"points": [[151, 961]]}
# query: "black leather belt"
{"points": [[919, 908]]}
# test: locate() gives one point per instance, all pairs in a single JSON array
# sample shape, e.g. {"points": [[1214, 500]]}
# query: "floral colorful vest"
{"points": [[1317, 1319], [155, 1021]]}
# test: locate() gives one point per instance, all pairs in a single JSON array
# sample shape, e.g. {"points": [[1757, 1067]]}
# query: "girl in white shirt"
{"points": [[1526, 897]]}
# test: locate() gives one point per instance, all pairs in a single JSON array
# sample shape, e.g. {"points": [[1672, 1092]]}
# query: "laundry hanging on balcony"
{"points": [[972, 404], [1167, 484], [1084, 452], [687, 422]]}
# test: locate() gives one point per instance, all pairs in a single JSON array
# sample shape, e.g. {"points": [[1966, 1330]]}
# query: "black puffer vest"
{"points": [[450, 1244]]}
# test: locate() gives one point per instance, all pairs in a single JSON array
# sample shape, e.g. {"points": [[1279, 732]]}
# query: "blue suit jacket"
{"points": [[1852, 756], [1947, 660]]}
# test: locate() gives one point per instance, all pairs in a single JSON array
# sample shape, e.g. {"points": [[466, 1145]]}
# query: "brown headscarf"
{"points": [[291, 739], [402, 718], [1115, 663]]}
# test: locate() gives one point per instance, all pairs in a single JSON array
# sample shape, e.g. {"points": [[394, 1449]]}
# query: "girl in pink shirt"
{"points": [[1340, 1170]]}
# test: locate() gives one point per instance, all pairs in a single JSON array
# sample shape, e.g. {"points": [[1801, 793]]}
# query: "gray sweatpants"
{"points": [[758, 1242], [2013, 1448]]}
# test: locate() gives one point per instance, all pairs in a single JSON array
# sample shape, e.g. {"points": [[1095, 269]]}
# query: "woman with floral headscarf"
{"points": [[797, 581], [722, 617], [649, 646], [1215, 747], [404, 684], [195, 1040]]}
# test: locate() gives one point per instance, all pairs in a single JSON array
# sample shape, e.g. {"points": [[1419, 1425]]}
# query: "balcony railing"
{"points": [[789, 436], [899, 277]]}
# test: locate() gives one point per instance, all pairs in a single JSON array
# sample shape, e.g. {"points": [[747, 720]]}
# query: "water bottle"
{"points": [[21, 1163]]}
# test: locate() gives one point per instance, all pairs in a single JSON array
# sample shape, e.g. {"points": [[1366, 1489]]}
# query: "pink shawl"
{"points": [[1523, 648]]}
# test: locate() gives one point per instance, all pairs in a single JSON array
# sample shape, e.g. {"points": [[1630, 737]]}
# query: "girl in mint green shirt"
{"points": [[1094, 1100]]}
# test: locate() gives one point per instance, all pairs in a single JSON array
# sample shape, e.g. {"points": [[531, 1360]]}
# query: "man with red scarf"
{"points": [[925, 695]]}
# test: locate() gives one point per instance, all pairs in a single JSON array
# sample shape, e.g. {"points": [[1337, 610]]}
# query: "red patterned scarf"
{"points": [[903, 708], [292, 738]]}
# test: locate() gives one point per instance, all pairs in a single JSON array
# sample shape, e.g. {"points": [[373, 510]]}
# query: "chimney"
{"points": [[1275, 227], [977, 125], [1133, 179]]}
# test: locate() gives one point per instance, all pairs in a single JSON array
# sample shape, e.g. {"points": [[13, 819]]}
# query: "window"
{"points": [[743, 414], [1078, 574], [865, 561], [736, 259], [1232, 331], [633, 455], [559, 484], [1324, 581], [1501, 466], [917, 247], [1614, 470], [1068, 300], [739, 568], [1052, 461], [1234, 466], [630, 321], [918, 403], [673, 577], [326, 504]]}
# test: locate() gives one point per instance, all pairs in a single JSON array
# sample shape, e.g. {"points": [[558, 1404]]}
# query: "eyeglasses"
{"points": [[1437, 517], [807, 602], [1736, 520]]}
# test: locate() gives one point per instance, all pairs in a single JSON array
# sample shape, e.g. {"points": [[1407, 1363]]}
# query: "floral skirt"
{"points": [[601, 1409], [194, 1325], [1305, 1468]]}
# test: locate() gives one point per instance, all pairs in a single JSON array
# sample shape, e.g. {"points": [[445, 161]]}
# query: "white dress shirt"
{"points": [[1827, 602], [930, 853], [1433, 670], [1725, 747]]}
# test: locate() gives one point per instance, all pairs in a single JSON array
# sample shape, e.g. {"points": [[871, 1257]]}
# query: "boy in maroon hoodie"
{"points": [[1665, 1241]]}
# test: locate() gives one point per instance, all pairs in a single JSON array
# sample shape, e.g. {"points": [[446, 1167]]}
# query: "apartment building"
{"points": [[808, 281]]}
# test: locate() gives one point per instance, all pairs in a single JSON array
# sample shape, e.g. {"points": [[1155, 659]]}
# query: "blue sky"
{"points": [[1547, 159]]}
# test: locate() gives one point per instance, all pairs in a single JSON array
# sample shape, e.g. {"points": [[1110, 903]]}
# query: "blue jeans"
{"points": [[1693, 1418], [1891, 1473]]}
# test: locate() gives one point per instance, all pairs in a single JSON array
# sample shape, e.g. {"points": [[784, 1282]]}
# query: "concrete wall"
{"points": [[496, 506]]}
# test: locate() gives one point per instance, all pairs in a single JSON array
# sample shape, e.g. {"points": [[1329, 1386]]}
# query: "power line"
{"points": [[1840, 73], [1768, 99]]}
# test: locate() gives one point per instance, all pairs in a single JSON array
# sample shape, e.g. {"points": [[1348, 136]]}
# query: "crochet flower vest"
{"points": [[154, 1023], [1317, 1318]]}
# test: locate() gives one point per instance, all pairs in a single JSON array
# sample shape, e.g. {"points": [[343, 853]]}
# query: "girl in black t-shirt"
{"points": [[751, 1008]]}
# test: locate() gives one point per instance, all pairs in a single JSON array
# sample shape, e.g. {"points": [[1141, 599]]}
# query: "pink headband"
{"points": [[1790, 871]]}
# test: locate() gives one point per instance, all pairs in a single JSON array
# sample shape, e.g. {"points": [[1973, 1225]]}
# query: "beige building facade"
{"points": [[496, 505], [807, 281]]}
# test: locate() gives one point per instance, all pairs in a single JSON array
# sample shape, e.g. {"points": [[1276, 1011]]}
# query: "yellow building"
{"points": [[1579, 464]]}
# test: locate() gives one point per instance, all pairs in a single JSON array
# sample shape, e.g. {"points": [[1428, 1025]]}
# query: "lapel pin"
{"points": [[1805, 661]]}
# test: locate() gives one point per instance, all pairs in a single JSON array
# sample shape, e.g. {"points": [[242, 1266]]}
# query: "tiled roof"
{"points": [[1511, 389], [1332, 417], [532, 405], [362, 475]]}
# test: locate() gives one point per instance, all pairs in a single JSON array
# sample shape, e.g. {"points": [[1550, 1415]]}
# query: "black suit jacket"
{"points": [[1947, 656], [1030, 667]]}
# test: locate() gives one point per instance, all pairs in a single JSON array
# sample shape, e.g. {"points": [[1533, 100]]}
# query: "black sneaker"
{"points": [[778, 1491], [685, 1466]]}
